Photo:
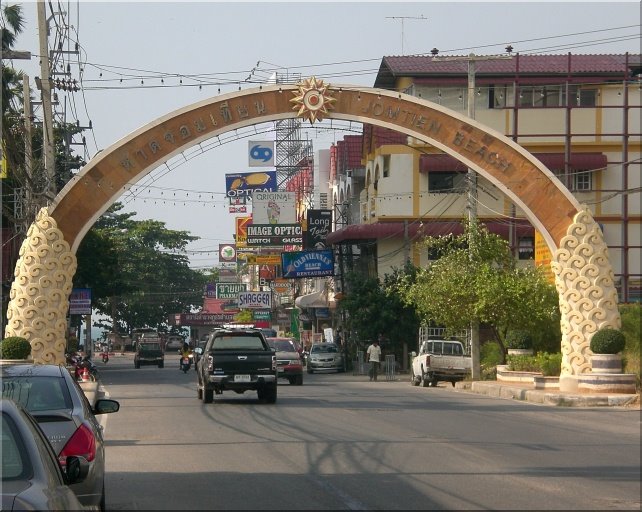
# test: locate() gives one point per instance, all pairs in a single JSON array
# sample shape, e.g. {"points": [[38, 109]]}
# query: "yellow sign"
{"points": [[3, 162], [241, 230], [543, 257], [263, 259]]}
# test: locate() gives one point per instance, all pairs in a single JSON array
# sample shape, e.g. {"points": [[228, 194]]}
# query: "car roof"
{"points": [[31, 369]]}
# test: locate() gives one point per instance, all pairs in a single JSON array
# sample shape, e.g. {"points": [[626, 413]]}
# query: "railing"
{"points": [[390, 367]]}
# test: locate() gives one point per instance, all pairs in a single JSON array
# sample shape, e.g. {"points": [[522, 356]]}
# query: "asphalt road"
{"points": [[340, 442]]}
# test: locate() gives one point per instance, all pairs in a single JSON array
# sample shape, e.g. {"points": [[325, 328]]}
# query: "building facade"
{"points": [[578, 114]]}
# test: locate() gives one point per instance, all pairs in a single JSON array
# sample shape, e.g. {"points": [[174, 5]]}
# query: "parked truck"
{"points": [[439, 360]]}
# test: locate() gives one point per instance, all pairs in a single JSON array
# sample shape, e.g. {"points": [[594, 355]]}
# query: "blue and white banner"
{"points": [[261, 153], [307, 263], [240, 185]]}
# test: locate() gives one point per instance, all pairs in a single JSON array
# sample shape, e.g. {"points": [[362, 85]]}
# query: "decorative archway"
{"points": [[583, 274]]}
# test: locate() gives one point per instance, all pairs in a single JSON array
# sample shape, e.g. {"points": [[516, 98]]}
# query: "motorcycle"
{"points": [[105, 356], [84, 369], [185, 364]]}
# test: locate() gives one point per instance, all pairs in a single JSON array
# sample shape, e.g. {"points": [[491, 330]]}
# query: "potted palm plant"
{"points": [[606, 345]]}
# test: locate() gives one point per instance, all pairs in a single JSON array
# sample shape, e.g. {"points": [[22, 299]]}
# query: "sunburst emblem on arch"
{"points": [[312, 99]]}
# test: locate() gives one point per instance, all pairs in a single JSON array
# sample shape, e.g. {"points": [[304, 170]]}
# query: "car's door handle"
{"points": [[242, 358]]}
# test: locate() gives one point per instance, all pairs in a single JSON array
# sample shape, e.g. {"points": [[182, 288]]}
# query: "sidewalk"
{"points": [[548, 397], [522, 392]]}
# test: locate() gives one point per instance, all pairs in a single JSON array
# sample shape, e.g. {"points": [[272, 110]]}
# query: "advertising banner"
{"points": [[80, 301], [226, 252], [261, 153], [210, 290], [270, 234], [245, 184], [241, 230], [263, 259], [274, 208], [307, 263], [319, 224], [255, 300], [229, 290]]}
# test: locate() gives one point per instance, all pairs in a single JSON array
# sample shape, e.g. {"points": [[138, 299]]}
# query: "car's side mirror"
{"points": [[76, 469], [413, 354], [198, 350], [106, 406]]}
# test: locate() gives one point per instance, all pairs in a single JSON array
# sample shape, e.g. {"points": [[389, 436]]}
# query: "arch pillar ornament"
{"points": [[39, 297]]}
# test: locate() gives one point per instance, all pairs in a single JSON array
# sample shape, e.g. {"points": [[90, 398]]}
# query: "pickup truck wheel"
{"points": [[207, 395], [425, 381], [298, 380], [413, 378], [161, 365], [270, 394]]}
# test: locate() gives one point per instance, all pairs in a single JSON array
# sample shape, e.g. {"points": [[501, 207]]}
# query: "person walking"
{"points": [[374, 358]]}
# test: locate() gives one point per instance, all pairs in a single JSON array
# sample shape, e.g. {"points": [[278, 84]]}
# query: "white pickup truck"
{"points": [[439, 360]]}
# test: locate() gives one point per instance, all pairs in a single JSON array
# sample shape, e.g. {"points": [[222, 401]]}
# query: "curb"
{"points": [[543, 397]]}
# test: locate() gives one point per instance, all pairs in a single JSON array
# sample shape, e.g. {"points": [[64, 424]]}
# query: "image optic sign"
{"points": [[261, 153]]}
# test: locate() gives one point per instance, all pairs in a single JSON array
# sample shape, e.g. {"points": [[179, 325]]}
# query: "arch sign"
{"points": [[583, 274]]}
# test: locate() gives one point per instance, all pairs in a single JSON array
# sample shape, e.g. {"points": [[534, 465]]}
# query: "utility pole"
{"points": [[47, 113], [26, 93], [403, 18], [471, 203]]}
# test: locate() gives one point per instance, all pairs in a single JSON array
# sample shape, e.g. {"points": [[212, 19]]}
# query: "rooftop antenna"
{"points": [[403, 18]]}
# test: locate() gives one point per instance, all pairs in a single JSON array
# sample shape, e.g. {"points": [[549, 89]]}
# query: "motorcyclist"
{"points": [[184, 351]]}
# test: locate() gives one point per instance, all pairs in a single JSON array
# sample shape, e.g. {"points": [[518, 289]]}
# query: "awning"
{"points": [[312, 300], [415, 229], [554, 161]]}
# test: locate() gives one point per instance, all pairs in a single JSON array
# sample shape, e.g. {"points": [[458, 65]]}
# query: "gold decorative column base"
{"points": [[39, 298], [588, 298]]}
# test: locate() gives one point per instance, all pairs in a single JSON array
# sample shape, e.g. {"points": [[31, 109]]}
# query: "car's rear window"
{"points": [[282, 345], [147, 347], [237, 343], [37, 393]]}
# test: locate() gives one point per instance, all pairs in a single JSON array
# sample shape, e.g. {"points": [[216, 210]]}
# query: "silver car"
{"points": [[325, 357], [32, 478], [59, 405]]}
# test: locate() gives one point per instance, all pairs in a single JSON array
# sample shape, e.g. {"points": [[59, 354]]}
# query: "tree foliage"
{"points": [[137, 274], [375, 310], [475, 279]]}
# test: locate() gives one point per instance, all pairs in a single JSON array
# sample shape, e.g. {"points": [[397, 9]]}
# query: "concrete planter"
{"points": [[607, 383], [542, 382], [606, 363], [504, 375], [520, 351]]}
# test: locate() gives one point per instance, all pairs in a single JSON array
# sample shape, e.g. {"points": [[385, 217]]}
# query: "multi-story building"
{"points": [[578, 114]]}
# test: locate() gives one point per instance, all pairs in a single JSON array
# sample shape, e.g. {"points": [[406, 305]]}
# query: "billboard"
{"points": [[226, 252], [245, 184], [274, 207], [229, 290], [271, 234], [241, 230], [255, 300], [307, 263], [80, 301], [261, 153], [319, 224]]}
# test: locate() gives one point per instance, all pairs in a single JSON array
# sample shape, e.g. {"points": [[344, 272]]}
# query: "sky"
{"points": [[139, 61]]}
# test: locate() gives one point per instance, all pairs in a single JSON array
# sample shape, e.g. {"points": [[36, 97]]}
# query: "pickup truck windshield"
{"points": [[238, 343]]}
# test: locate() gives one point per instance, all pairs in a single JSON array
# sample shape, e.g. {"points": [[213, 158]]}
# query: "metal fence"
{"points": [[390, 367]]}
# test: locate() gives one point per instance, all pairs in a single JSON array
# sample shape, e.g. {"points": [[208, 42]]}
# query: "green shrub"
{"points": [[14, 347], [631, 315], [608, 341], [518, 339], [550, 365]]}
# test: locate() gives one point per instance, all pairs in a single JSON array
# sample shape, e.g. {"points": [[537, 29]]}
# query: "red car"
{"points": [[288, 359]]}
